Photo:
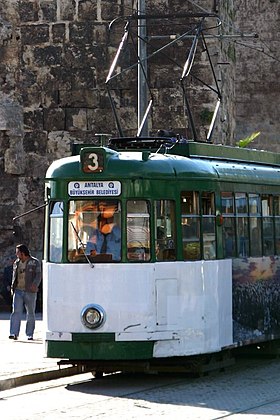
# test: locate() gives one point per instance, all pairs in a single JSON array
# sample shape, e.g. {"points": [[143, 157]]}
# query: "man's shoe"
{"points": [[13, 337], [30, 338]]}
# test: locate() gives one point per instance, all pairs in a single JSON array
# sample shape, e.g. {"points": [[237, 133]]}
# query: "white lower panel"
{"points": [[203, 307], [185, 307]]}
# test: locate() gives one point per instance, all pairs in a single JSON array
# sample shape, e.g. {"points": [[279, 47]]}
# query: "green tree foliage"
{"points": [[247, 140]]}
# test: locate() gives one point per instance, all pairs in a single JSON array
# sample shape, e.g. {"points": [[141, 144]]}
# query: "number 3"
{"points": [[95, 164]]}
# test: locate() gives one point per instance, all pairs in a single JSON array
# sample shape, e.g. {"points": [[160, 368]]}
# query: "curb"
{"points": [[39, 376]]}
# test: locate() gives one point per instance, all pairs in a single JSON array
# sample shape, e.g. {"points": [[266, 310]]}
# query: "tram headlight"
{"points": [[92, 316]]}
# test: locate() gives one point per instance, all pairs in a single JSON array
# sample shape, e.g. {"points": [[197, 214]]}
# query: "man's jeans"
{"points": [[21, 299]]}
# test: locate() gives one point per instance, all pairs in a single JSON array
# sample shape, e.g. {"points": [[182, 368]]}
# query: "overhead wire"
{"points": [[259, 49]]}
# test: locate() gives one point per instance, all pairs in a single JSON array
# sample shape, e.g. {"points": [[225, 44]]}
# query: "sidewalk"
{"points": [[24, 362]]}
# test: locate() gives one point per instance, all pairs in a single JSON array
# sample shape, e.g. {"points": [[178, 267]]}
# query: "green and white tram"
{"points": [[156, 250]]}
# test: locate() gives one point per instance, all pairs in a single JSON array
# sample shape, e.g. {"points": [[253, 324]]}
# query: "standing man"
{"points": [[24, 288]]}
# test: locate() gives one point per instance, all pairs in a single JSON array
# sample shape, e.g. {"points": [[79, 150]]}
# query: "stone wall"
{"points": [[257, 83], [54, 60]]}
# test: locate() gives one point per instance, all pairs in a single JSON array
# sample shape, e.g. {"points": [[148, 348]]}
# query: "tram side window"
{"points": [[208, 225], [94, 230], [190, 222], [138, 230], [56, 232], [228, 211], [255, 225], [267, 224], [276, 200], [165, 230], [241, 204]]}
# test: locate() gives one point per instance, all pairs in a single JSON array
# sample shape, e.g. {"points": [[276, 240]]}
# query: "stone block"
{"points": [[34, 34], [37, 166], [48, 10], [66, 9], [76, 119], [5, 31], [8, 78], [11, 117], [104, 100], [101, 38], [32, 96], [72, 78], [8, 189], [33, 120], [87, 10], [50, 98], [81, 32], [79, 98], [102, 122], [28, 11], [58, 32], [7, 211], [80, 56], [4, 142], [61, 76], [14, 161], [58, 142], [54, 119], [84, 79], [28, 78], [35, 142], [48, 56], [109, 9]]}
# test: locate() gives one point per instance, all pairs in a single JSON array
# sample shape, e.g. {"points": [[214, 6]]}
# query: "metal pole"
{"points": [[142, 69]]}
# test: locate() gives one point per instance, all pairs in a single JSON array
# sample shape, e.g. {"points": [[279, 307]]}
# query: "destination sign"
{"points": [[94, 188]]}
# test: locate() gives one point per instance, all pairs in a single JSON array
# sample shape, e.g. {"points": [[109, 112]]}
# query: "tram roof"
{"points": [[186, 148], [163, 158]]}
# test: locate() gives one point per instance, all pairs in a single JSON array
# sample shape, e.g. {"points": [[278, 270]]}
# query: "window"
{"points": [[56, 231], [255, 225], [190, 222], [255, 219], [94, 230], [228, 212], [276, 203], [241, 205], [208, 225], [227, 203], [267, 224], [138, 230], [165, 230]]}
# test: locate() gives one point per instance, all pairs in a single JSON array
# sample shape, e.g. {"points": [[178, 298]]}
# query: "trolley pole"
{"points": [[142, 68]]}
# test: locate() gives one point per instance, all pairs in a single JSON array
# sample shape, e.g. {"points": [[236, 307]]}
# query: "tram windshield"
{"points": [[56, 231], [94, 230]]}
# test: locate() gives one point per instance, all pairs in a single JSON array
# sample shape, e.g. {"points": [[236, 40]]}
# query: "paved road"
{"points": [[249, 391], [246, 393]]}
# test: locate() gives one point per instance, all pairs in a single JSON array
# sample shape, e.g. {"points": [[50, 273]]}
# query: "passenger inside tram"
{"points": [[106, 237]]}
